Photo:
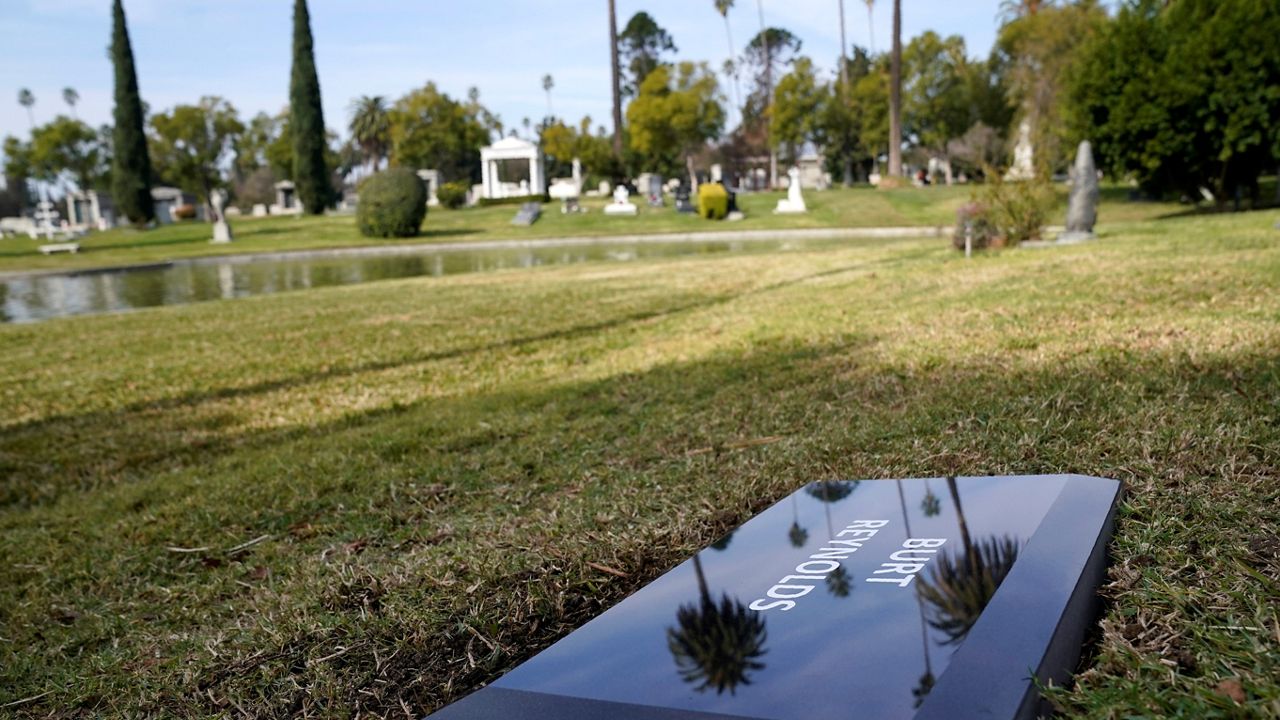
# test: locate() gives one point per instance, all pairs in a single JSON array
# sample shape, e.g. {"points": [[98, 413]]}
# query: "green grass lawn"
{"points": [[859, 207], [369, 500]]}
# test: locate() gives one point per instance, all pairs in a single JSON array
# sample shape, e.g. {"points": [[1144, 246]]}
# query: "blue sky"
{"points": [[239, 49]]}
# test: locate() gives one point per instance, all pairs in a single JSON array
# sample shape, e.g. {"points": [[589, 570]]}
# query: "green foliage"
{"points": [[429, 129], [1184, 95], [675, 116], [641, 45], [131, 163], [371, 128], [766, 54], [974, 222], [69, 146], [936, 100], [1017, 211], [798, 105], [1039, 47], [562, 143], [713, 201], [393, 203], [452, 195], [307, 131], [191, 143]]}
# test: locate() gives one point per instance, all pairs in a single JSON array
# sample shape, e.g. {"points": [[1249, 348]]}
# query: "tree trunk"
{"points": [[693, 175], [617, 79], [895, 94]]}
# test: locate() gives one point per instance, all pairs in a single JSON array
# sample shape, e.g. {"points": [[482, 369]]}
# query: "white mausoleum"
{"points": [[511, 149]]}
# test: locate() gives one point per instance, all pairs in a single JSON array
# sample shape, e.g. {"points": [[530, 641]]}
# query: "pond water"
{"points": [[41, 297]]}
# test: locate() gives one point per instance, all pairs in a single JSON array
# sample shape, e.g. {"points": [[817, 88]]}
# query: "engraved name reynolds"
{"points": [[902, 567]]}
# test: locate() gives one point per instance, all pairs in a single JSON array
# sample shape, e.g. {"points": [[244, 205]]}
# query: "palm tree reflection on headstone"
{"points": [[960, 585], [716, 644]]}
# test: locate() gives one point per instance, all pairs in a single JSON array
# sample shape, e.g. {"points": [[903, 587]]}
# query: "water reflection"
{"points": [[847, 647], [40, 297], [716, 645], [961, 584]]}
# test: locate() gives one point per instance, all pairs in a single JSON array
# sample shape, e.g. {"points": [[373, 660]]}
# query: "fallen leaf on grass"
{"points": [[1231, 689]]}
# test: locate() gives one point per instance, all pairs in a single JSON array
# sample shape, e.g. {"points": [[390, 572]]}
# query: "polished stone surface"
{"points": [[845, 600]]}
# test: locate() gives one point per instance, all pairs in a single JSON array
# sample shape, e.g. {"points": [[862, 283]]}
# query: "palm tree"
{"points": [[528, 124], [895, 94], [548, 83], [716, 645], [71, 97], [960, 586], [871, 30], [617, 79], [723, 7], [768, 82], [371, 128], [27, 100], [844, 52]]}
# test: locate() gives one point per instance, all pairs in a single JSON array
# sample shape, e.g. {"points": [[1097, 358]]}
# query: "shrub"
{"points": [[974, 217], [713, 201], [392, 203], [452, 195], [1017, 210], [184, 212]]}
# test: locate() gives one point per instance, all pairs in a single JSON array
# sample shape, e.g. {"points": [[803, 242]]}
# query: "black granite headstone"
{"points": [[924, 598], [684, 203]]}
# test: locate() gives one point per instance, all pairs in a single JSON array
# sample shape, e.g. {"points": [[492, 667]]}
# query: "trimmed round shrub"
{"points": [[713, 201], [392, 203], [452, 195]]}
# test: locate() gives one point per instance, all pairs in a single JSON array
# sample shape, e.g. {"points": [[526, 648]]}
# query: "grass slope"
{"points": [[859, 207], [369, 500]]}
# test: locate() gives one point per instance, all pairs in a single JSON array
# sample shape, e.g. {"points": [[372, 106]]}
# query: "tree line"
{"points": [[1180, 96]]}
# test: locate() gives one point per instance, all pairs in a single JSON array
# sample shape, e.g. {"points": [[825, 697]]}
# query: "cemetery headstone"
{"points": [[734, 214], [1082, 209], [655, 190], [528, 214], [684, 202], [889, 599], [794, 202], [221, 230], [621, 204]]}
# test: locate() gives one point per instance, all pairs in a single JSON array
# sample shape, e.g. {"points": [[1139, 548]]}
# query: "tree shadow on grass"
{"points": [[532, 473], [128, 440]]}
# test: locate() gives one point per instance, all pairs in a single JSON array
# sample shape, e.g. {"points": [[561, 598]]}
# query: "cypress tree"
{"points": [[130, 163], [306, 119]]}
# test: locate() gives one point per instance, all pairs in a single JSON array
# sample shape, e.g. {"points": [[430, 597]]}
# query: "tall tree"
{"points": [[798, 105], [306, 118], [767, 52], [676, 115], [17, 169], [549, 84], [429, 129], [130, 161], [723, 7], [27, 99], [69, 146], [641, 45], [371, 128], [71, 97], [192, 143], [871, 26], [1183, 95], [617, 79], [895, 94], [938, 106], [1041, 43]]}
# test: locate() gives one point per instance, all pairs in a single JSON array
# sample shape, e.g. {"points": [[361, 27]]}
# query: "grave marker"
{"points": [[924, 598]]}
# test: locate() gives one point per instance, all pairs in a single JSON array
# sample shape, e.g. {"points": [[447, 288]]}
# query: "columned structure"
{"points": [[491, 161]]}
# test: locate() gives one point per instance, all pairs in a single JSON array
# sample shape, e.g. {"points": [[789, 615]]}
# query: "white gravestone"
{"points": [[795, 201], [621, 204], [1023, 155], [221, 230]]}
